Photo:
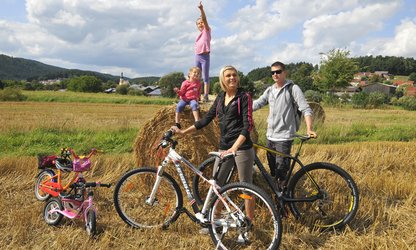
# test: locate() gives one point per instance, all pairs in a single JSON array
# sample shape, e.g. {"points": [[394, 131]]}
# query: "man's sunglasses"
{"points": [[279, 71]]}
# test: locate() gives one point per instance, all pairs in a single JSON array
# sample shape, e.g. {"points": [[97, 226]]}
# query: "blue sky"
{"points": [[154, 38]]}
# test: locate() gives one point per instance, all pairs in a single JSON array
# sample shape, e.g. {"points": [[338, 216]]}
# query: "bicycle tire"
{"points": [[42, 176], [199, 188], [341, 197], [55, 218], [133, 189], [91, 223], [229, 229]]}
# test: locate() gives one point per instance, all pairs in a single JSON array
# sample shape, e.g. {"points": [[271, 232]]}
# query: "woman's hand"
{"points": [[228, 151], [176, 130]]}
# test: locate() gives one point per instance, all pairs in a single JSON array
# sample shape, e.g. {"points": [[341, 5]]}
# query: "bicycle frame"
{"points": [[54, 188], [53, 185], [199, 215], [293, 161], [79, 208]]}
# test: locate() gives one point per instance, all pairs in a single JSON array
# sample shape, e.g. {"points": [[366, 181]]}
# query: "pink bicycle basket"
{"points": [[81, 164]]}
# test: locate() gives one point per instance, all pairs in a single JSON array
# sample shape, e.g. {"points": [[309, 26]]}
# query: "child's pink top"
{"points": [[203, 42], [190, 90]]}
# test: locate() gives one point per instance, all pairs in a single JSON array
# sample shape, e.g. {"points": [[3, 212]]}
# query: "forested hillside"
{"points": [[12, 68]]}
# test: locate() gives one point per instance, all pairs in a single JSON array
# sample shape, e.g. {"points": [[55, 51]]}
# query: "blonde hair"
{"points": [[222, 80], [192, 69]]}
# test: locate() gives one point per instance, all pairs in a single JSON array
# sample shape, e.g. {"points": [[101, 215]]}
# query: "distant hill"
{"points": [[13, 68]]}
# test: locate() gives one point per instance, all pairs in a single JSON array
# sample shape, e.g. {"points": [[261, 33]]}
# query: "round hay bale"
{"points": [[318, 112], [194, 147]]}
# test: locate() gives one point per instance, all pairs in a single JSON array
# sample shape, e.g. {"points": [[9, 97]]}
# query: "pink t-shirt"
{"points": [[190, 90], [203, 42]]}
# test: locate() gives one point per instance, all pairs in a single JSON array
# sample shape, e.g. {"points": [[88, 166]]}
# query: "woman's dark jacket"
{"points": [[234, 119]]}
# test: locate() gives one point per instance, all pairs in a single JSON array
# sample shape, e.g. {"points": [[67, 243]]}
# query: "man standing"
{"points": [[285, 99]]}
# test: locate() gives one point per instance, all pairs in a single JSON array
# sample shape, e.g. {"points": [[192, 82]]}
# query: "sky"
{"points": [[156, 37]]}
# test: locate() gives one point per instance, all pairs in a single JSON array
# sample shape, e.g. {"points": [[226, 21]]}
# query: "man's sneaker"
{"points": [[243, 239]]}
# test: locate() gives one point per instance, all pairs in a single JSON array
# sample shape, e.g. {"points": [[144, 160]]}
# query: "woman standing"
{"points": [[233, 107]]}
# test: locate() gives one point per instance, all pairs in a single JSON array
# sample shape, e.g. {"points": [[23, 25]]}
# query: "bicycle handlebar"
{"points": [[303, 137], [224, 157], [167, 139], [66, 152]]}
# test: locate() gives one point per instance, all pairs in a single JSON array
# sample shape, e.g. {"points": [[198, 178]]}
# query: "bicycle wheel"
{"points": [[131, 199], [42, 177], [54, 218], [231, 229], [336, 200], [91, 223], [199, 188]]}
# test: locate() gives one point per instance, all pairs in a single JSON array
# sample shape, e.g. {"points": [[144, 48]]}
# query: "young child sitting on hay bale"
{"points": [[189, 94]]}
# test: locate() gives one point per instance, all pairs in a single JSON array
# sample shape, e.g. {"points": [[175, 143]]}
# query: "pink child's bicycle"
{"points": [[74, 200], [78, 203]]}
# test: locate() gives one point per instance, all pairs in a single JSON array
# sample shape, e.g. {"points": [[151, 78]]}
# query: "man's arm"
{"points": [[262, 100]]}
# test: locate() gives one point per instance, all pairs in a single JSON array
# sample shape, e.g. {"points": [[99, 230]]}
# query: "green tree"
{"points": [[412, 77], [336, 70], [246, 83], [301, 74], [85, 84], [377, 99], [122, 89], [170, 81], [12, 94], [359, 100], [259, 74], [313, 96], [374, 78]]}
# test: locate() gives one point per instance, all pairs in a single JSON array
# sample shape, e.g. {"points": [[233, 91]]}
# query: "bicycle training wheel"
{"points": [[131, 196], [199, 187], [42, 177], [336, 200], [230, 227], [54, 218], [91, 223]]}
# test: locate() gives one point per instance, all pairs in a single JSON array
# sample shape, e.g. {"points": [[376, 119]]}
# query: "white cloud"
{"points": [[334, 31], [142, 37], [404, 41]]}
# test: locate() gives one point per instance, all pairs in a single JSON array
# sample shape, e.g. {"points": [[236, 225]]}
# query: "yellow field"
{"points": [[384, 172]]}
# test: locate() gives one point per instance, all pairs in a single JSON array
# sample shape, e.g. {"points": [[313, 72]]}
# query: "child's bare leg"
{"points": [[177, 117], [196, 115]]}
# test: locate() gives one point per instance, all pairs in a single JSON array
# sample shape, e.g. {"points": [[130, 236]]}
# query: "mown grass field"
{"points": [[377, 147]]}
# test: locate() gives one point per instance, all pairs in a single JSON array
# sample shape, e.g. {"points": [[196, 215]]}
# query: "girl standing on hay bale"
{"points": [[233, 107], [203, 48], [189, 94]]}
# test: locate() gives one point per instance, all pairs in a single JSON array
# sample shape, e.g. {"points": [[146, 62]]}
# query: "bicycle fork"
{"points": [[152, 198]]}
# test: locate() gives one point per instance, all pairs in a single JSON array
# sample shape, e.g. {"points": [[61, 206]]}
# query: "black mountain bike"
{"points": [[320, 195]]}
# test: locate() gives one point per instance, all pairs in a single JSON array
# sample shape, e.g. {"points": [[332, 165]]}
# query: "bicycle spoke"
{"points": [[132, 200], [231, 226], [336, 200]]}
